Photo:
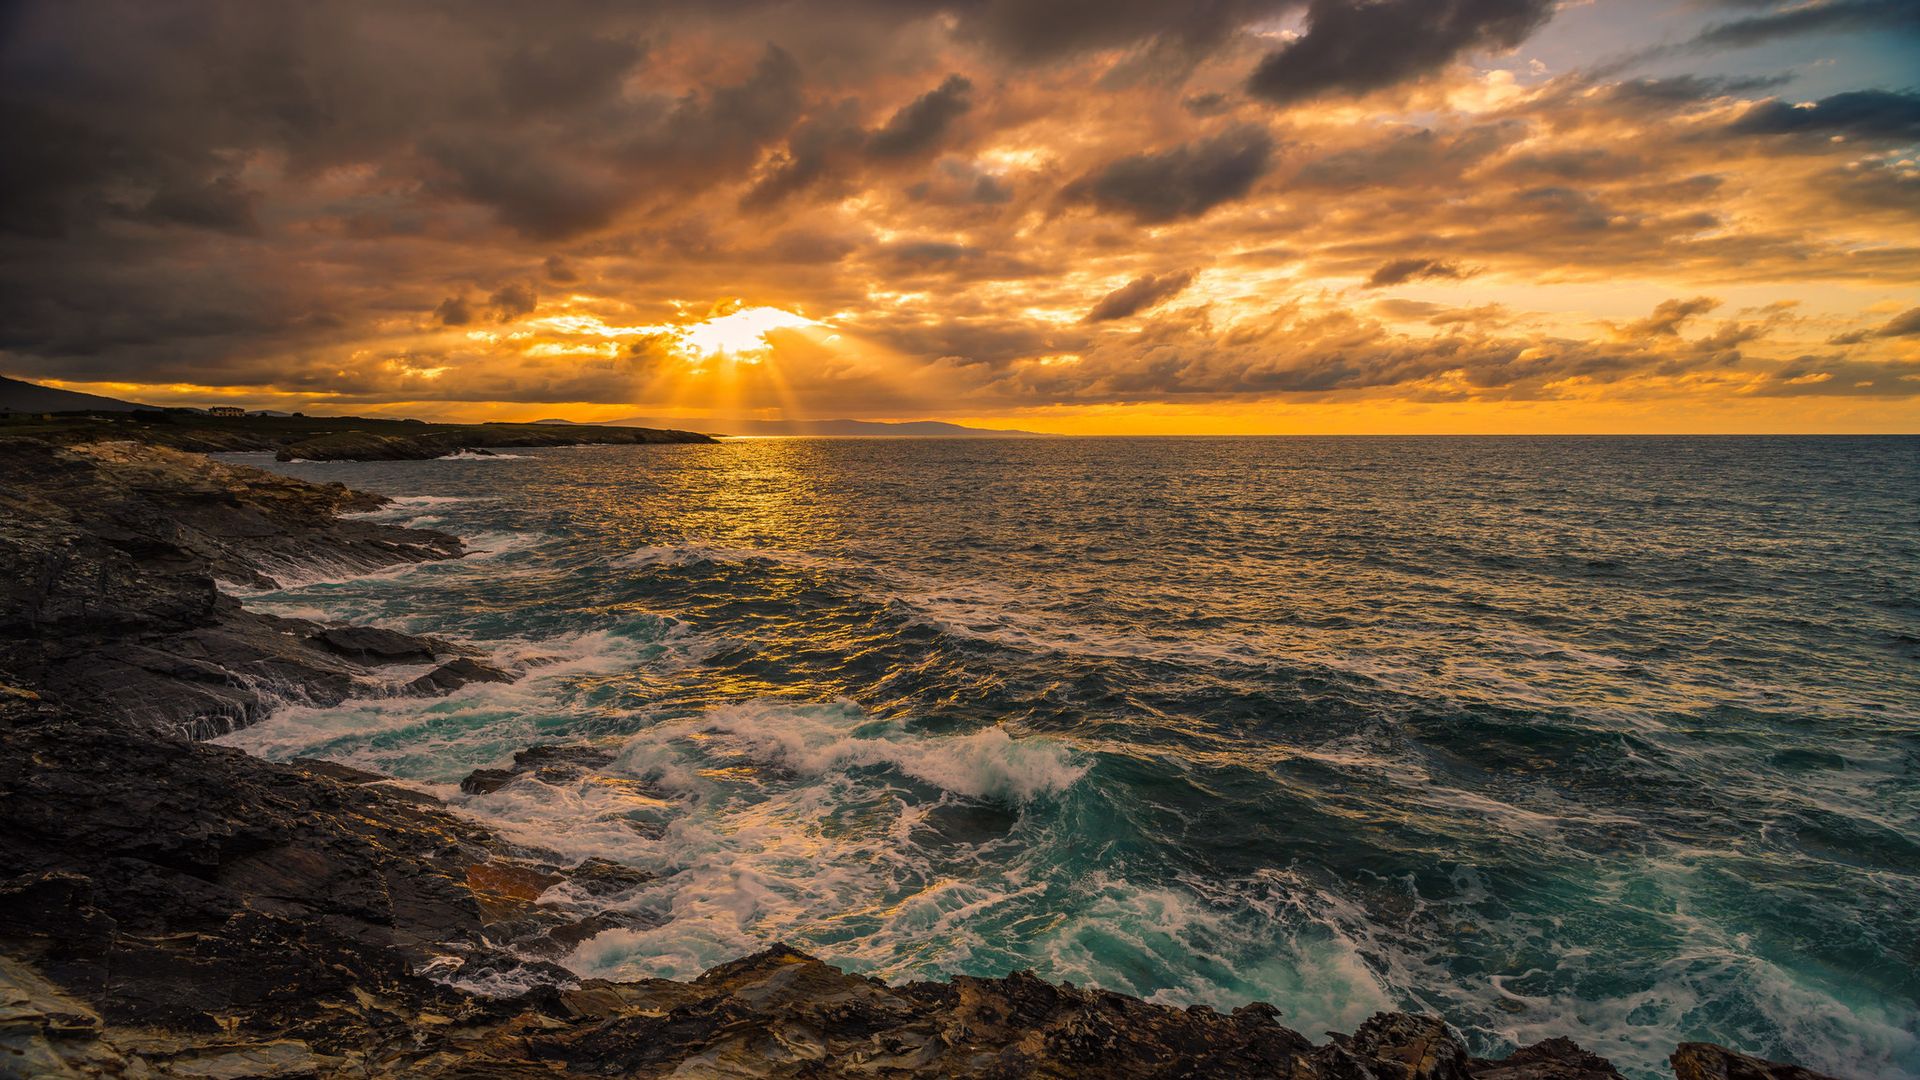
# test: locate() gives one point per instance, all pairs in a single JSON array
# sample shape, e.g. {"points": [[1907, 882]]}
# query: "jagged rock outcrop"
{"points": [[549, 764], [1705, 1061], [111, 559]]}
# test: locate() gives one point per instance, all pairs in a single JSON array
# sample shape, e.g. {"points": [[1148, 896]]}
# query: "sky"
{"points": [[1078, 216]]}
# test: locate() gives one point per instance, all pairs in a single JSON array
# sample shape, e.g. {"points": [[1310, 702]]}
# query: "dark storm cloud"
{"points": [[829, 145], [1686, 89], [955, 182], [578, 70], [454, 311], [540, 196], [510, 302], [222, 204], [1033, 30], [1404, 270], [1867, 114], [1184, 182], [1358, 46], [1139, 294], [1833, 17], [814, 152], [1408, 156], [919, 126]]}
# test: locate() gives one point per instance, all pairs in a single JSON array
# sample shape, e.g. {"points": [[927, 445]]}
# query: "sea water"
{"points": [[1617, 739]]}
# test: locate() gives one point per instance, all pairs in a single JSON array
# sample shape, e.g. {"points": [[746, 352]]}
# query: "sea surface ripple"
{"points": [[1611, 738]]}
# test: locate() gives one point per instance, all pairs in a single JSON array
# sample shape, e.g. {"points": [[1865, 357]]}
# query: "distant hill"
{"points": [[25, 397], [871, 428]]}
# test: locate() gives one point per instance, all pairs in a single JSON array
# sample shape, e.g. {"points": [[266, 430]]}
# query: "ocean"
{"points": [[1612, 738]]}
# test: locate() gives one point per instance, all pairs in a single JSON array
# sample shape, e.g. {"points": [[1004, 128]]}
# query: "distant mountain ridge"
{"points": [[25, 397], [866, 428]]}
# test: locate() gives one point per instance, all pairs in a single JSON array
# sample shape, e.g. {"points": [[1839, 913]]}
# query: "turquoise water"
{"points": [[1611, 738]]}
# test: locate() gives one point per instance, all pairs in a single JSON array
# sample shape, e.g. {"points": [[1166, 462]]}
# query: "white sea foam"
{"points": [[987, 764], [441, 738], [694, 552]]}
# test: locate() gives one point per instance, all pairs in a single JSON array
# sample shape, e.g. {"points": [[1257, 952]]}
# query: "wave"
{"points": [[821, 740]]}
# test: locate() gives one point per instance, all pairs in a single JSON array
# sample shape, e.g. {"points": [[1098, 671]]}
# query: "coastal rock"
{"points": [[110, 555], [455, 674], [371, 645], [1402, 1047], [477, 439], [1705, 1061], [196, 908], [548, 764], [365, 446], [1549, 1059]]}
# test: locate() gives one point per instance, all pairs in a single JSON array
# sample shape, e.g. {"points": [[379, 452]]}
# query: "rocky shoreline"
{"points": [[323, 438], [171, 908]]}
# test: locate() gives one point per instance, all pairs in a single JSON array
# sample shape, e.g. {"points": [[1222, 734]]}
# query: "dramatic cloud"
{"points": [[1184, 182], [1866, 114], [918, 127], [1358, 46], [1829, 17], [1139, 294], [1044, 212], [1906, 324], [1402, 270]]}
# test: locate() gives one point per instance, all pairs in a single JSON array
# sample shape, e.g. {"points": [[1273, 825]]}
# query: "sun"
{"points": [[740, 334]]}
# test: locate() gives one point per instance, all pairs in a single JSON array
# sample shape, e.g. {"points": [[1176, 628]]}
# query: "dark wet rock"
{"points": [[487, 781], [333, 770], [603, 877], [548, 764], [1551, 1059], [372, 645], [187, 885], [1705, 1061], [110, 555], [455, 674], [1412, 1047]]}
